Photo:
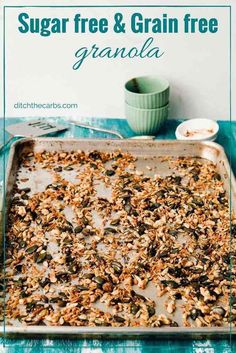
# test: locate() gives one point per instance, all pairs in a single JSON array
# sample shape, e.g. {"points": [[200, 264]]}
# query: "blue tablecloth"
{"points": [[153, 345]]}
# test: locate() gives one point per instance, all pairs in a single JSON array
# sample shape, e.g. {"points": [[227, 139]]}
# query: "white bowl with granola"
{"points": [[197, 129]]}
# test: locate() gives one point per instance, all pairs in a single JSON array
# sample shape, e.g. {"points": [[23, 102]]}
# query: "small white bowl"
{"points": [[198, 130]]}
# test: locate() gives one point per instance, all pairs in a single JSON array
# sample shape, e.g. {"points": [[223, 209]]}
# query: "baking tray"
{"points": [[153, 152]]}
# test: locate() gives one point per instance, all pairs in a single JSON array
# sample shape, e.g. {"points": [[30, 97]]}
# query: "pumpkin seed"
{"points": [[19, 267], [95, 155], [68, 168], [151, 310], [110, 172], [26, 190], [80, 287], [217, 176], [32, 249], [88, 275], [61, 303], [160, 193], [41, 257], [173, 232], [109, 230], [163, 254], [115, 222], [194, 313], [152, 250], [78, 229], [118, 318], [58, 169], [45, 282], [117, 267], [219, 311], [74, 268], [99, 280], [198, 202], [174, 324], [134, 309], [22, 244]]}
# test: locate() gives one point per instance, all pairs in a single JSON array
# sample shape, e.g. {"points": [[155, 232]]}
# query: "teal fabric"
{"points": [[151, 345]]}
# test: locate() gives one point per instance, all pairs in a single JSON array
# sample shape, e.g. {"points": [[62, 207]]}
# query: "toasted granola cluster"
{"points": [[106, 244]]}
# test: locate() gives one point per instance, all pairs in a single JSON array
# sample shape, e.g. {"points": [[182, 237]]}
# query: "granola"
{"points": [[105, 244]]}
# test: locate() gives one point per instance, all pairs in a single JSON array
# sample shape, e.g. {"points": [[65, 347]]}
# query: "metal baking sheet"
{"points": [[148, 153]]}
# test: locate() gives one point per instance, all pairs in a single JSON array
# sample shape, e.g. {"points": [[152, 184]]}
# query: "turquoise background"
{"points": [[151, 345]]}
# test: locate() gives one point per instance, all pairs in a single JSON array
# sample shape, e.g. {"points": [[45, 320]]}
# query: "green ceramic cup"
{"points": [[147, 92], [146, 121]]}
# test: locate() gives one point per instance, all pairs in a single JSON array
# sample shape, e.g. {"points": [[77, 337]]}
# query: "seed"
{"points": [[153, 206], [115, 222], [88, 275], [54, 299], [23, 294], [67, 241], [85, 203], [54, 186], [95, 155], [41, 257], [178, 296], [119, 155], [45, 282], [198, 202], [22, 244], [74, 268], [68, 168], [26, 190], [78, 229], [141, 229], [109, 230], [151, 311], [171, 284], [58, 169], [87, 232], [93, 165], [184, 282], [61, 303], [194, 313], [219, 311], [174, 324], [85, 221], [118, 318], [217, 176], [177, 272], [32, 249], [226, 259], [160, 193], [66, 228], [177, 180], [134, 309], [138, 188], [99, 280], [152, 250], [117, 267], [163, 254], [31, 305], [19, 268], [233, 300], [63, 276], [80, 287], [110, 172], [173, 232]]}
